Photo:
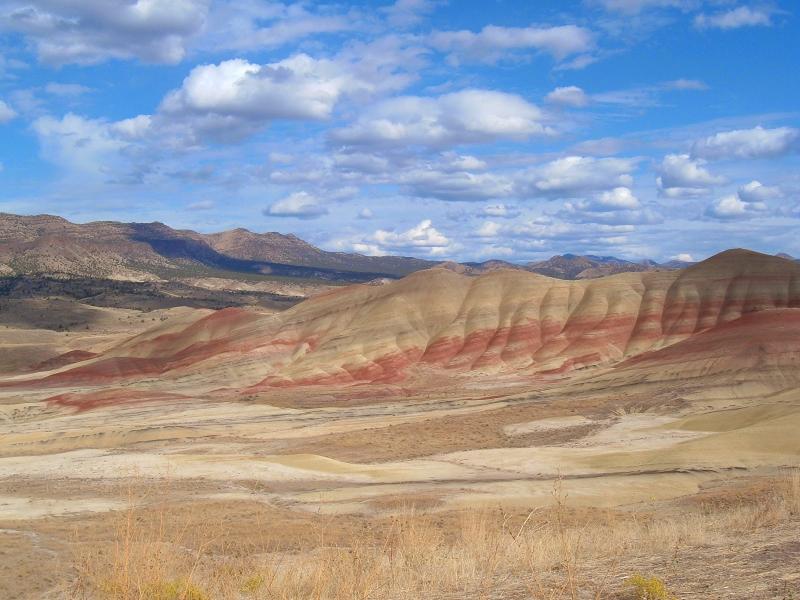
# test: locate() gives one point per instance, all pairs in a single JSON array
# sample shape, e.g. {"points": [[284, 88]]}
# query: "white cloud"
{"points": [[568, 96], [301, 205], [602, 146], [749, 201], [299, 87], [493, 251], [748, 143], [6, 112], [66, 89], [468, 116], [361, 162], [424, 237], [618, 206], [489, 229], [571, 175], [201, 205], [755, 192], [91, 147], [135, 128], [235, 98], [93, 31], [733, 207], [492, 42], [255, 24], [501, 210], [683, 257], [540, 233], [405, 13], [366, 213], [459, 162], [742, 16], [679, 175], [686, 84], [620, 198], [455, 186], [636, 6]]}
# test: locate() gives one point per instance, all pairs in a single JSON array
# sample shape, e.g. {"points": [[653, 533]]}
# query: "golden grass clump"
{"points": [[551, 553], [649, 588]]}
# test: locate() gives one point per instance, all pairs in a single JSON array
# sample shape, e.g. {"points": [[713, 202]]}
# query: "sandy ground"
{"points": [[606, 457]]}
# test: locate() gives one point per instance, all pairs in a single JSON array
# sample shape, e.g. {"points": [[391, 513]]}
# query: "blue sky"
{"points": [[466, 130]]}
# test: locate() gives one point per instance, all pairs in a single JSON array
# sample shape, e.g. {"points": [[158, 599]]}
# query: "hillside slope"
{"points": [[508, 322], [49, 245]]}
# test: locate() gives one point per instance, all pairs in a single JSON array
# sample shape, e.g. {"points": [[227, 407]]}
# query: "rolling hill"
{"points": [[504, 322], [52, 246]]}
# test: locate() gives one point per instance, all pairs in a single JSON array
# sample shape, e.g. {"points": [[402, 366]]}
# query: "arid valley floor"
{"points": [[505, 435]]}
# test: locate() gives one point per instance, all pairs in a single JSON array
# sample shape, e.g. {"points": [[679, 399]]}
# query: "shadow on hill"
{"points": [[184, 248], [116, 294]]}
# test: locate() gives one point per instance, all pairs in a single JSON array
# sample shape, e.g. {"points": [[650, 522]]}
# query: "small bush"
{"points": [[253, 584], [176, 590], [649, 588]]}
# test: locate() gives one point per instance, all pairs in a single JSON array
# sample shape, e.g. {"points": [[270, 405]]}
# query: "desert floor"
{"points": [[289, 472]]}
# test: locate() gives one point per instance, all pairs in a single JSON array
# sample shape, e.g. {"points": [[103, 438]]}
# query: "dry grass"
{"points": [[549, 554]]}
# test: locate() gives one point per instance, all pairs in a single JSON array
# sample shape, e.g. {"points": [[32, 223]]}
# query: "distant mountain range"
{"points": [[571, 266], [51, 246]]}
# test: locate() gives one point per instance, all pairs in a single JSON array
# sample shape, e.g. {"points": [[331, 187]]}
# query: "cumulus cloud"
{"points": [[493, 42], [423, 237], [299, 87], [749, 200], [733, 207], [680, 175], [686, 85], [405, 13], [300, 205], [620, 198], [85, 147], [568, 96], [6, 112], [755, 191], [134, 128], [541, 233], [201, 205], [618, 206], [463, 162], [66, 89], [571, 175], [455, 186], [683, 257], [468, 116], [489, 229], [502, 211], [742, 16], [748, 143], [254, 24], [234, 98], [493, 251], [93, 31], [637, 6]]}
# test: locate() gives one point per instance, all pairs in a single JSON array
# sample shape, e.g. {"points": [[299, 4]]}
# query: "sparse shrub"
{"points": [[253, 584], [649, 588], [175, 590]]}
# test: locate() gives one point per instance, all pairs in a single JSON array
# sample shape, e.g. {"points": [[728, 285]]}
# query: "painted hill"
{"points": [[438, 321]]}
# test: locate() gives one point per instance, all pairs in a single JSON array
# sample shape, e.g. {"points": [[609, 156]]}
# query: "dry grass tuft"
{"points": [[550, 554]]}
